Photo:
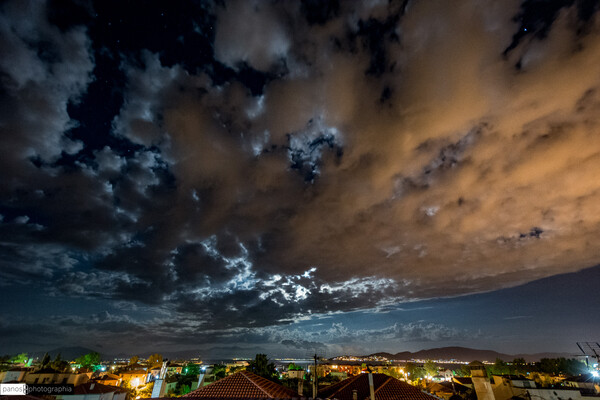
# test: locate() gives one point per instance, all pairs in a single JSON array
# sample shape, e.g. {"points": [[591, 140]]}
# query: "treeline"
{"points": [[551, 366], [518, 366]]}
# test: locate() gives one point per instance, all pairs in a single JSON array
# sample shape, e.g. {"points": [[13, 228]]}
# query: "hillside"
{"points": [[465, 354]]}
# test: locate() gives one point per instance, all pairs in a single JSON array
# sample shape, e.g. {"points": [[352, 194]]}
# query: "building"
{"points": [[481, 382], [446, 389], [243, 385], [95, 391], [295, 373], [511, 387], [13, 375], [170, 384], [135, 377], [48, 375], [153, 373], [109, 380], [174, 369], [465, 381], [384, 387], [587, 384]]}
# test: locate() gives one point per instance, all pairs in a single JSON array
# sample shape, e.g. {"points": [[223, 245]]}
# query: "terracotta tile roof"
{"points": [[108, 377], [463, 380], [46, 370], [243, 385], [386, 388], [19, 397], [134, 372], [94, 387]]}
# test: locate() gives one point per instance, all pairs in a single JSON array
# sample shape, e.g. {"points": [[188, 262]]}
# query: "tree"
{"points": [[233, 370], [556, 366], [464, 371], [155, 359], [393, 372], [131, 392], [19, 358], [89, 359], [146, 391], [499, 368], [414, 372], [59, 364], [45, 361], [185, 380], [518, 366], [191, 369], [262, 367], [219, 371], [181, 389], [431, 368], [294, 367], [133, 360], [330, 379]]}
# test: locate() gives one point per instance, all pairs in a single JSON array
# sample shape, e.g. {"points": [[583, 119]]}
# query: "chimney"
{"points": [[354, 394], [92, 385], [300, 386], [371, 386]]}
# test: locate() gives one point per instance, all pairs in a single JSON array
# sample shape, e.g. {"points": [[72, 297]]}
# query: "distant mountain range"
{"points": [[466, 354], [214, 353], [66, 353], [442, 353]]}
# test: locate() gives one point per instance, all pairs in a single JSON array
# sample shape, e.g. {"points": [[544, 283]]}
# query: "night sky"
{"points": [[285, 176]]}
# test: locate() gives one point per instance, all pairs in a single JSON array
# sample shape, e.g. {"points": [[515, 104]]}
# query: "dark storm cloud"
{"points": [[43, 69], [340, 160]]}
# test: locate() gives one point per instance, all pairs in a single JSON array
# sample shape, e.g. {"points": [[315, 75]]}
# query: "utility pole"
{"points": [[315, 377]]}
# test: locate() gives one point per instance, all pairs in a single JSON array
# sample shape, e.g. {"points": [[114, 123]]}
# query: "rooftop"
{"points": [[108, 377], [94, 387], [134, 372], [386, 388], [244, 385]]}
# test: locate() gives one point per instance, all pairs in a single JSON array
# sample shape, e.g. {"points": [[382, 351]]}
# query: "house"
{"points": [[49, 375], [295, 373], [440, 389], [587, 384], [170, 384], [109, 380], [174, 369], [446, 389], [13, 375], [465, 381], [243, 385], [95, 391], [385, 388], [154, 373], [134, 366], [506, 387], [135, 377], [19, 397]]}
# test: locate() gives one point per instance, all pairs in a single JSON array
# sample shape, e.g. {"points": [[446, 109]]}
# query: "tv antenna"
{"points": [[590, 349]]}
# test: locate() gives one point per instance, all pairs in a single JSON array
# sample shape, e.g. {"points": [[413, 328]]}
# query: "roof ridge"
{"points": [[346, 385], [254, 383], [383, 384]]}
